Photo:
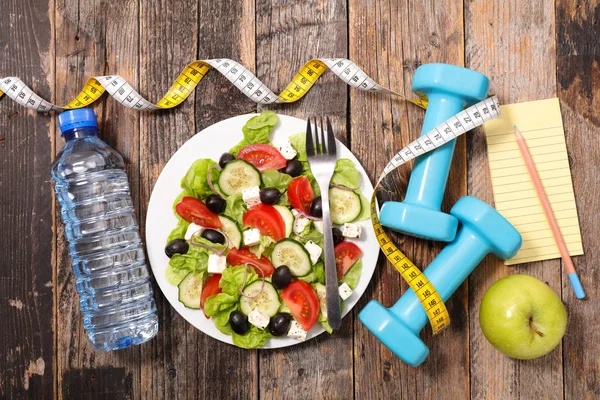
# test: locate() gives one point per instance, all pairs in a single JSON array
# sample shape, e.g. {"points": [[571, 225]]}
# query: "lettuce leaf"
{"points": [[221, 319], [317, 274], [175, 275], [310, 233], [233, 278], [298, 141], [196, 177], [252, 339], [266, 118], [179, 231], [345, 174], [199, 239], [262, 248], [275, 179], [353, 275], [283, 200], [218, 303], [235, 208], [256, 130], [195, 260], [219, 306]]}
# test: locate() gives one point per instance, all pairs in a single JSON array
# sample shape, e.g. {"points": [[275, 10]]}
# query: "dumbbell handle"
{"points": [[446, 273], [430, 172]]}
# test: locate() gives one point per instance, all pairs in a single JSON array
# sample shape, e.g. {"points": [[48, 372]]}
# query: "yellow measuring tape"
{"points": [[191, 76], [254, 89]]}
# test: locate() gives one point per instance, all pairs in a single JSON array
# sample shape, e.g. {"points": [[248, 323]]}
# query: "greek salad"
{"points": [[248, 245]]}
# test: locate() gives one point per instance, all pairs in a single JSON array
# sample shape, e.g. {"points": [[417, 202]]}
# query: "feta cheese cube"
{"points": [[314, 250], [287, 150], [193, 228], [216, 264], [251, 237], [258, 318], [351, 231], [345, 291], [300, 223], [251, 196], [318, 226], [296, 331]]}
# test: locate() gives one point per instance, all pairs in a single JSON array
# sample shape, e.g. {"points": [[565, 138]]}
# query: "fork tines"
{"points": [[319, 145]]}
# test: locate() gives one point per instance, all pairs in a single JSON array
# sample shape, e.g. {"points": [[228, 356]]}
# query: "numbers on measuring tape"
{"points": [[428, 296], [190, 77]]}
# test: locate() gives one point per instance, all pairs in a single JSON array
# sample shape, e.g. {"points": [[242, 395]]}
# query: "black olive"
{"points": [[215, 203], [239, 322], [269, 196], [279, 324], [293, 168], [281, 277], [225, 158], [337, 236], [213, 236], [177, 246], [316, 207]]}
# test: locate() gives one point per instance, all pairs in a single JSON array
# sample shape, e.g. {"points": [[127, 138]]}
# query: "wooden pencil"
{"points": [[558, 238]]}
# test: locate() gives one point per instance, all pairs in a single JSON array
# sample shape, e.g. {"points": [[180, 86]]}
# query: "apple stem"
{"points": [[533, 328]]}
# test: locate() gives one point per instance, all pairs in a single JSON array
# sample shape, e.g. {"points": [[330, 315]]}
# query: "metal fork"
{"points": [[321, 155]]}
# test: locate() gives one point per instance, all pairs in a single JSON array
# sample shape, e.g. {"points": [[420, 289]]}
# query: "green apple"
{"points": [[522, 317]]}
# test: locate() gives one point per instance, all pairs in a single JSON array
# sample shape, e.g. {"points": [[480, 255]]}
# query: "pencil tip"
{"points": [[514, 126]]}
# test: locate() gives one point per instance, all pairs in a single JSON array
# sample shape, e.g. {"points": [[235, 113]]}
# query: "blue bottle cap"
{"points": [[78, 118]]}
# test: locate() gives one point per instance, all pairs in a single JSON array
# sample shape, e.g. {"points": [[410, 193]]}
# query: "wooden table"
{"points": [[530, 49]]}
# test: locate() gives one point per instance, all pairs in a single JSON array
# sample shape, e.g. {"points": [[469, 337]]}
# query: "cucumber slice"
{"points": [[322, 295], [267, 301], [231, 230], [237, 176], [288, 218], [190, 290], [345, 205], [293, 254]]}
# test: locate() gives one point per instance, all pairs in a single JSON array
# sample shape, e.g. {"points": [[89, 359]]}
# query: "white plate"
{"points": [[211, 143]]}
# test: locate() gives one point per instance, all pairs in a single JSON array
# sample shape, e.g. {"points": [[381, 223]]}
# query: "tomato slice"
{"points": [[303, 302], [346, 254], [211, 287], [267, 220], [263, 156], [300, 194], [244, 255], [193, 210]]}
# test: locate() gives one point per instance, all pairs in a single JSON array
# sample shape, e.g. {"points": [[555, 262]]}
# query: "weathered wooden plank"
{"points": [[578, 74], [514, 45], [169, 361], [400, 45], [288, 35], [26, 278], [94, 39], [182, 362]]}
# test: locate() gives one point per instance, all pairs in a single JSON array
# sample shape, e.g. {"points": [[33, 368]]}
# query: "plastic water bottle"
{"points": [[104, 239]]}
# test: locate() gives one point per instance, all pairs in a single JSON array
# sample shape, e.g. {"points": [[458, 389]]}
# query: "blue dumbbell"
{"points": [[483, 231], [449, 89]]}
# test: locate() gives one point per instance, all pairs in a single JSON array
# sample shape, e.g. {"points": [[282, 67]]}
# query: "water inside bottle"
{"points": [[112, 278]]}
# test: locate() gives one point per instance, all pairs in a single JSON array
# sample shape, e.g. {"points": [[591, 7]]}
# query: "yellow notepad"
{"points": [[514, 194]]}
